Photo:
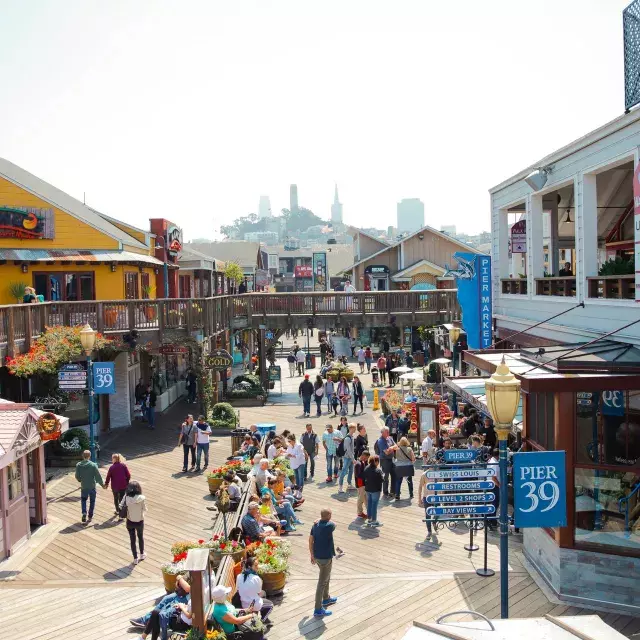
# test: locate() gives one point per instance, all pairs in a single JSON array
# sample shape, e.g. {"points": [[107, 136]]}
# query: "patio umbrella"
{"points": [[411, 376], [402, 370], [441, 362]]}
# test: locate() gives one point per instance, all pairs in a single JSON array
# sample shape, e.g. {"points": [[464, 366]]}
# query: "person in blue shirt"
{"points": [[322, 551], [169, 608], [387, 450]]}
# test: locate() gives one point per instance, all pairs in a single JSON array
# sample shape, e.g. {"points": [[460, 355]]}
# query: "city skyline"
{"points": [[146, 130]]}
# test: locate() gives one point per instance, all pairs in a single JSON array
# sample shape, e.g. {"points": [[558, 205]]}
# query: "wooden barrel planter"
{"points": [[273, 583], [214, 484], [169, 580], [217, 556]]}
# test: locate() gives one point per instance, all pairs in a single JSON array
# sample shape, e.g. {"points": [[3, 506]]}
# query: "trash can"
{"points": [[237, 436], [418, 357], [310, 361]]}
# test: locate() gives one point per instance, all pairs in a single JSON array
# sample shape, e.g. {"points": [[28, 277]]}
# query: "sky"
{"points": [[193, 109]]}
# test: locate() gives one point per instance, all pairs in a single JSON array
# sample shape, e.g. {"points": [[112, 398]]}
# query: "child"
{"points": [[268, 516], [234, 491], [334, 404], [374, 376]]}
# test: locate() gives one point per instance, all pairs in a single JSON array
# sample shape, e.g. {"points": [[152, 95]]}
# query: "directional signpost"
{"points": [[72, 377], [463, 486]]}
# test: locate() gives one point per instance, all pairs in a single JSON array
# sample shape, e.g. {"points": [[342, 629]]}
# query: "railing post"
{"points": [[28, 318], [189, 316], [66, 315], [131, 313], [314, 306], [161, 319], [99, 317], [250, 309], [11, 333], [338, 306]]}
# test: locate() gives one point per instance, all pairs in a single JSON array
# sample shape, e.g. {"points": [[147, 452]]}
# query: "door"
{"points": [[17, 516], [382, 284], [36, 488]]}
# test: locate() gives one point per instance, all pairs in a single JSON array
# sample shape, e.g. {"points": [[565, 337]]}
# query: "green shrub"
{"points": [[253, 380], [223, 416], [617, 267], [72, 442]]}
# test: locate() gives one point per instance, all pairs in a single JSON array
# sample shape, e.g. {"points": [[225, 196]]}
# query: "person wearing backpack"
{"points": [[349, 458], [330, 440], [135, 505], [291, 359], [187, 439], [318, 394]]}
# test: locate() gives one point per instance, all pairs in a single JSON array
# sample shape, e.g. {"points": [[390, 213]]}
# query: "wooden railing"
{"points": [[20, 323], [612, 287], [514, 285], [561, 286]]}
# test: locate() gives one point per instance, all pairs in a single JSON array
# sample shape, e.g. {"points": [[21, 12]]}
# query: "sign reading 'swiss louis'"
{"points": [[26, 223]]}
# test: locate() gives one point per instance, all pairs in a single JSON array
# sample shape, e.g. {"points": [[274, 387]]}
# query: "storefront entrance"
{"points": [[36, 487]]}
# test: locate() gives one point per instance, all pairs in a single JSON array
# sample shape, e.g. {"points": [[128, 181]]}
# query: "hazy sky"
{"points": [[190, 110]]}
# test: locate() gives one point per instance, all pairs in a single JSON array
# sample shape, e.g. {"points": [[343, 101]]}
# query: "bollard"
{"points": [[376, 399]]}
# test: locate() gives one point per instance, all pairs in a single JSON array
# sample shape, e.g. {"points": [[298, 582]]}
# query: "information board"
{"points": [[72, 377], [462, 473]]}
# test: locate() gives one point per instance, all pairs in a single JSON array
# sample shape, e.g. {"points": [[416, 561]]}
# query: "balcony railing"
{"points": [[21, 323], [564, 286], [514, 286], [612, 287]]}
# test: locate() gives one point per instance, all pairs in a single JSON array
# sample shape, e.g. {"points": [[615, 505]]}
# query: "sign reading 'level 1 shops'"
{"points": [[479, 510], [467, 498], [72, 377], [218, 360]]}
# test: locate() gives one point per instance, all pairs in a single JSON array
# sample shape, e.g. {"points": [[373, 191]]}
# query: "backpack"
{"points": [[340, 449], [376, 448]]}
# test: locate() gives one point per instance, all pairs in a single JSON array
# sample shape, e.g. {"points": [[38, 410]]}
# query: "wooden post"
{"points": [[162, 309], [11, 333], [202, 582], [189, 316], [131, 313], [99, 317], [28, 319], [564, 429]]}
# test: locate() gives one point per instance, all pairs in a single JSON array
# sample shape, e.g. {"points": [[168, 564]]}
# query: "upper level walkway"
{"points": [[21, 323]]}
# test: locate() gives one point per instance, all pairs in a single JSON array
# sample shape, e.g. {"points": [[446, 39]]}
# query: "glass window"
{"points": [[14, 481], [64, 286], [540, 419], [131, 285], [145, 283], [70, 286], [86, 287], [607, 508]]}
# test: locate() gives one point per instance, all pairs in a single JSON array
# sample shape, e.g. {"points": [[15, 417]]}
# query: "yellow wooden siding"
{"points": [[70, 233], [134, 233], [109, 284]]}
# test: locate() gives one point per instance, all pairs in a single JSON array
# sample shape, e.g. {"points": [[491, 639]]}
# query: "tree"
{"points": [[243, 225], [301, 220], [234, 272]]}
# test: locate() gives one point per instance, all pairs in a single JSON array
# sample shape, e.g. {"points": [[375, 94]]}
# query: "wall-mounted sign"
{"points": [[473, 279], [48, 426], [174, 242], [104, 378], [519, 237], [377, 270], [72, 377], [218, 360], [26, 223], [170, 350], [303, 271], [320, 281]]}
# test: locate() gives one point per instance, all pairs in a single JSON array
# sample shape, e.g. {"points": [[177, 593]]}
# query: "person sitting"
{"points": [[252, 527], [172, 612], [275, 449], [263, 474], [253, 448], [257, 459], [226, 615], [268, 517], [283, 507], [234, 491], [249, 589]]}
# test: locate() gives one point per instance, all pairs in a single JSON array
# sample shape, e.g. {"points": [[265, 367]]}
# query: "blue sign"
{"points": [[477, 485], [539, 489], [460, 455], [72, 377], [474, 510], [612, 403], [104, 378], [471, 474], [473, 277], [467, 498]]}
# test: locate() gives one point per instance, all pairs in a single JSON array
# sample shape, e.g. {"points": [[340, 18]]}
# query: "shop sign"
{"points": [[460, 455], [218, 360], [303, 271], [473, 279], [174, 241], [320, 282], [471, 474], [72, 377], [275, 374], [519, 237], [539, 489], [104, 378], [27, 223], [473, 510], [49, 426], [473, 485], [171, 350], [612, 403], [636, 226], [377, 270]]}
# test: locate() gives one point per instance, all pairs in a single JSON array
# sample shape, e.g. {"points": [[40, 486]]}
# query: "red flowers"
{"points": [[200, 541], [178, 557], [222, 545]]}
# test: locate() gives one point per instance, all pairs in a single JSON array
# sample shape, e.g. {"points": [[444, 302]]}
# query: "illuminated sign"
{"points": [[174, 241], [26, 224]]}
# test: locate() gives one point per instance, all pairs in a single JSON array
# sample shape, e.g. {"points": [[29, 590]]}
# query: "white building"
{"points": [[336, 208], [264, 207], [578, 220], [410, 215], [449, 229]]}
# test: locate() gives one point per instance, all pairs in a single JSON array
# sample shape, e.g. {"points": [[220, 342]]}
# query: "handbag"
{"points": [[123, 510], [405, 470]]}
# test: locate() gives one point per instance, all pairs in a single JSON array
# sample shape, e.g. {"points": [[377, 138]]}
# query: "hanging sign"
{"points": [[104, 378], [479, 510], [460, 455], [320, 282], [467, 498], [474, 485], [519, 237], [275, 373], [218, 360], [48, 426], [612, 403], [471, 474], [72, 377], [170, 350], [303, 271]]}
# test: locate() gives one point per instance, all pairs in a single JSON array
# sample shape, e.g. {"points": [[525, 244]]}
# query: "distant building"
{"points": [[264, 207], [293, 198], [410, 215], [268, 237], [336, 208], [449, 229], [392, 232]]}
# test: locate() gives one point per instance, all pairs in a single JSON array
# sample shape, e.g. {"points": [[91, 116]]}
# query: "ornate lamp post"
{"points": [[503, 396], [88, 340]]}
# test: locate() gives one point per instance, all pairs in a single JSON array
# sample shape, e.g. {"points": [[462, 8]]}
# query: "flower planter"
{"points": [[217, 556], [169, 580], [110, 317], [273, 583], [214, 484], [150, 313]]}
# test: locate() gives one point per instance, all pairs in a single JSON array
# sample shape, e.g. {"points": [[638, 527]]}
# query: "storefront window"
{"points": [[540, 419], [131, 290], [607, 508], [64, 286], [14, 481]]}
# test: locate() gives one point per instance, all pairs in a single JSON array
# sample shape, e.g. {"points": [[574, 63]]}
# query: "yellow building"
{"points": [[65, 249]]}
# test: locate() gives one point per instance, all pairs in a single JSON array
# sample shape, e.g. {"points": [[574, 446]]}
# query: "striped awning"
{"points": [[75, 255]]}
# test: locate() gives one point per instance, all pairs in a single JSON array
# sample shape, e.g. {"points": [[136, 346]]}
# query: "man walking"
{"points": [[330, 440], [329, 390], [150, 406], [361, 358], [386, 450], [360, 465], [311, 445], [348, 460], [322, 550], [202, 442], [87, 474], [361, 441], [305, 391], [300, 357]]}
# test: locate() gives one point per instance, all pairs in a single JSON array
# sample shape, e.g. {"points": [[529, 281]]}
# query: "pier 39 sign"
{"points": [[539, 489]]}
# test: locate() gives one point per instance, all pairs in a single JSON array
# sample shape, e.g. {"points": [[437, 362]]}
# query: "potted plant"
{"points": [[242, 470], [273, 563], [16, 290], [215, 477], [222, 546], [148, 310], [210, 634], [171, 571]]}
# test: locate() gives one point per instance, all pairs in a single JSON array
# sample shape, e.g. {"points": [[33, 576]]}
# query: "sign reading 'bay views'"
{"points": [[479, 510], [478, 485], [462, 473]]}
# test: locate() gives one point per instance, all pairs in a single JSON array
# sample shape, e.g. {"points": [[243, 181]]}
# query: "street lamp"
{"points": [[165, 268], [503, 396], [88, 341]]}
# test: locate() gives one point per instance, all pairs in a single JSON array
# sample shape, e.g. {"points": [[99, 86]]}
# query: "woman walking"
{"points": [[318, 394], [119, 477], [367, 358], [297, 459], [390, 365], [404, 466], [136, 506], [187, 439], [344, 395], [373, 477], [358, 394]]}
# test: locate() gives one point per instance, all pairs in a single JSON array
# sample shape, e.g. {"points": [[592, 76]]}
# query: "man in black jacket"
{"points": [[305, 391]]}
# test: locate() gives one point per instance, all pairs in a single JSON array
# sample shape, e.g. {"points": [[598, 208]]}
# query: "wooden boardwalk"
{"points": [[76, 581]]}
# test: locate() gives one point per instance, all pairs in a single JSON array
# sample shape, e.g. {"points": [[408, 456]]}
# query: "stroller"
{"points": [[344, 405], [375, 376]]}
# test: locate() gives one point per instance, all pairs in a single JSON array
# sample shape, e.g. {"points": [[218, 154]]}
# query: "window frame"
{"points": [[11, 481], [127, 276], [63, 275]]}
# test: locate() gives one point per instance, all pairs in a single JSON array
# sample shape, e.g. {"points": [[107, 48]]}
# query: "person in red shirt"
{"points": [[382, 368], [367, 358], [359, 468], [119, 477]]}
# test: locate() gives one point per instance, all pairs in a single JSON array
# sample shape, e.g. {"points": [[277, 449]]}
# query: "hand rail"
{"points": [[625, 509]]}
